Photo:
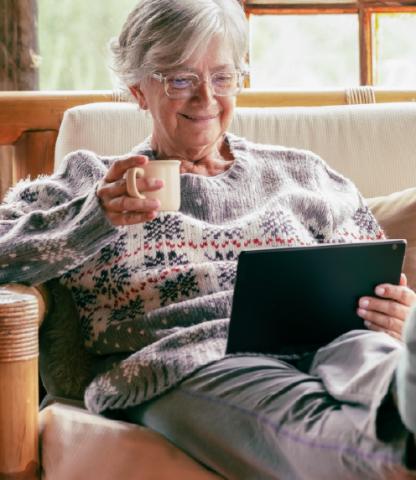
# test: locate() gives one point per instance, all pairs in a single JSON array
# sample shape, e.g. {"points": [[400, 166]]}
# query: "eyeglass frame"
{"points": [[162, 79]]}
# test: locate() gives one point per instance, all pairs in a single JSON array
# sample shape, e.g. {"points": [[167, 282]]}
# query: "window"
{"points": [[298, 51], [331, 43], [395, 50], [293, 43], [73, 37]]}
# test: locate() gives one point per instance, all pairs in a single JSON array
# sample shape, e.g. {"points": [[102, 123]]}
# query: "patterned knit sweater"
{"points": [[154, 299]]}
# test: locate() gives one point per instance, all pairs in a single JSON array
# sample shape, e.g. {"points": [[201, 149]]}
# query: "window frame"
{"points": [[365, 9]]}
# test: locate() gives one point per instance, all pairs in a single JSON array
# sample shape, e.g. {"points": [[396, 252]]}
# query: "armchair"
{"points": [[372, 144]]}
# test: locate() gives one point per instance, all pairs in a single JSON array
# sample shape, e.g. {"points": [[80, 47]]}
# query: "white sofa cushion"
{"points": [[374, 145]]}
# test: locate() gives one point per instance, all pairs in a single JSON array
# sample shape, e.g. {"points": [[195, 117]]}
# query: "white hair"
{"points": [[164, 34]]}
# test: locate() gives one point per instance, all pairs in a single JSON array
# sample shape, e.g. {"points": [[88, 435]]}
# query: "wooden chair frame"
{"points": [[29, 124]]}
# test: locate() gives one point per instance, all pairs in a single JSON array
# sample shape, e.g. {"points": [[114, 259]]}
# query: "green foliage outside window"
{"points": [[73, 37], [309, 51]]}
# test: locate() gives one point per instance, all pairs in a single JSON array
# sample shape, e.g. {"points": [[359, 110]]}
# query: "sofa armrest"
{"points": [[19, 351], [40, 292]]}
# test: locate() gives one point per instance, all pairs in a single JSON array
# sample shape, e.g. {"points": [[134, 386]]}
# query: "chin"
{"points": [[204, 139]]}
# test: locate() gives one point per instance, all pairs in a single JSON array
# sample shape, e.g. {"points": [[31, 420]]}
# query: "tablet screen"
{"points": [[300, 296]]}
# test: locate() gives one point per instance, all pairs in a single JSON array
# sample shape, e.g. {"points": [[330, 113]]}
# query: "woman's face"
{"points": [[191, 127]]}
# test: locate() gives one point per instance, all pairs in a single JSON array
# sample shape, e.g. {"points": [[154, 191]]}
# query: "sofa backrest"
{"points": [[374, 145]]}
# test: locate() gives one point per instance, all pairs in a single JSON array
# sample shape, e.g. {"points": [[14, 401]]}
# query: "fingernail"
{"points": [[367, 324], [364, 303], [361, 312], [380, 291]]}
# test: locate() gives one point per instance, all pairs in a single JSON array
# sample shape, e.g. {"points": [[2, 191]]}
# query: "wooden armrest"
{"points": [[19, 351], [39, 291]]}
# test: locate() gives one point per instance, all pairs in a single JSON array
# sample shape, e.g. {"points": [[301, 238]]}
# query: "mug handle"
{"points": [[131, 175]]}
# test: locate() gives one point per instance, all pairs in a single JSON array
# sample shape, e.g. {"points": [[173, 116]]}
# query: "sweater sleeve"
{"points": [[352, 219], [54, 223]]}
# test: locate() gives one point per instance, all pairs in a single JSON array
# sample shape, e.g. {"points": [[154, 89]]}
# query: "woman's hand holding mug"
{"points": [[119, 207], [168, 171]]}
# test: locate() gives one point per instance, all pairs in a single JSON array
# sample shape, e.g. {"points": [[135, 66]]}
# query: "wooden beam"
{"points": [[36, 111], [314, 8], [22, 111], [301, 9], [366, 46], [392, 9], [254, 5]]}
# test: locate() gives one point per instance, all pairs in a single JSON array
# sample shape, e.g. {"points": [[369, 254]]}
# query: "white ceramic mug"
{"points": [[168, 171]]}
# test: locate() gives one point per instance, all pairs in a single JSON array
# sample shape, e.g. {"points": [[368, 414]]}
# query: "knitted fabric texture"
{"points": [[154, 298]]}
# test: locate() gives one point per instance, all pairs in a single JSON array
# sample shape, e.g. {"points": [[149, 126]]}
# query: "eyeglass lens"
{"points": [[184, 84]]}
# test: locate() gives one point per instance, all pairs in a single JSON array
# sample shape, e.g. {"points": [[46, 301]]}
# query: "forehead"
{"points": [[217, 55]]}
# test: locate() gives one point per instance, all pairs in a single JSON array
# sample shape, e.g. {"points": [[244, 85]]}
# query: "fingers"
{"points": [[132, 205], [399, 293], [112, 190], [119, 207], [383, 306], [120, 166], [393, 333], [382, 322], [118, 188], [122, 209], [387, 314]]}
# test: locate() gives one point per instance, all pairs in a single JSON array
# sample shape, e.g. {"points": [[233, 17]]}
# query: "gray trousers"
{"points": [[328, 416]]}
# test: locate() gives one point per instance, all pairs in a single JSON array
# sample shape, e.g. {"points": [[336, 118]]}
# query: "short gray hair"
{"points": [[164, 34]]}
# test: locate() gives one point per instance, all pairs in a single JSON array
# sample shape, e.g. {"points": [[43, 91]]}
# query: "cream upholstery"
{"points": [[374, 145], [370, 144], [77, 445]]}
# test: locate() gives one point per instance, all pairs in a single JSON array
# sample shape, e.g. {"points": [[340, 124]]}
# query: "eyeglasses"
{"points": [[184, 84]]}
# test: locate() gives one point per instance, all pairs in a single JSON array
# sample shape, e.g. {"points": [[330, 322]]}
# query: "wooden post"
{"points": [[34, 154], [19, 57], [31, 155], [366, 46], [6, 168], [19, 323]]}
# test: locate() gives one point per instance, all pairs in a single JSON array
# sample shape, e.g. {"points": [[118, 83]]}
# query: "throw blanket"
{"points": [[154, 298]]}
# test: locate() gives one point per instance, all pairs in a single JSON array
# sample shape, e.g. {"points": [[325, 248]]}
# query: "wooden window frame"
{"points": [[363, 8]]}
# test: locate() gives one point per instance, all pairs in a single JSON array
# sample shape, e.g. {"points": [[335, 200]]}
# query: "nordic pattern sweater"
{"points": [[154, 299]]}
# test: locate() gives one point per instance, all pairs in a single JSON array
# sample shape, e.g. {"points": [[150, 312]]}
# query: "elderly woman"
{"points": [[153, 289]]}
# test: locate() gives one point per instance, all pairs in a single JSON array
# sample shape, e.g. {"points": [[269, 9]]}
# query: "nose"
{"points": [[204, 92]]}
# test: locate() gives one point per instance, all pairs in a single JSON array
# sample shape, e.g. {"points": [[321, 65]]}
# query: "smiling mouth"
{"points": [[199, 118]]}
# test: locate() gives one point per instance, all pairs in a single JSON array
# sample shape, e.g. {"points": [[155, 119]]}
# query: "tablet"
{"points": [[292, 298]]}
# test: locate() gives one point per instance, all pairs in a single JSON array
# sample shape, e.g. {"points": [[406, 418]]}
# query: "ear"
{"points": [[137, 93]]}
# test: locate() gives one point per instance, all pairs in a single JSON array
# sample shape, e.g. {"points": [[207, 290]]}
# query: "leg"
{"points": [[357, 369], [406, 375], [251, 417]]}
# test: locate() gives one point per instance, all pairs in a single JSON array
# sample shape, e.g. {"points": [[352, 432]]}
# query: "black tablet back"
{"points": [[306, 296]]}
